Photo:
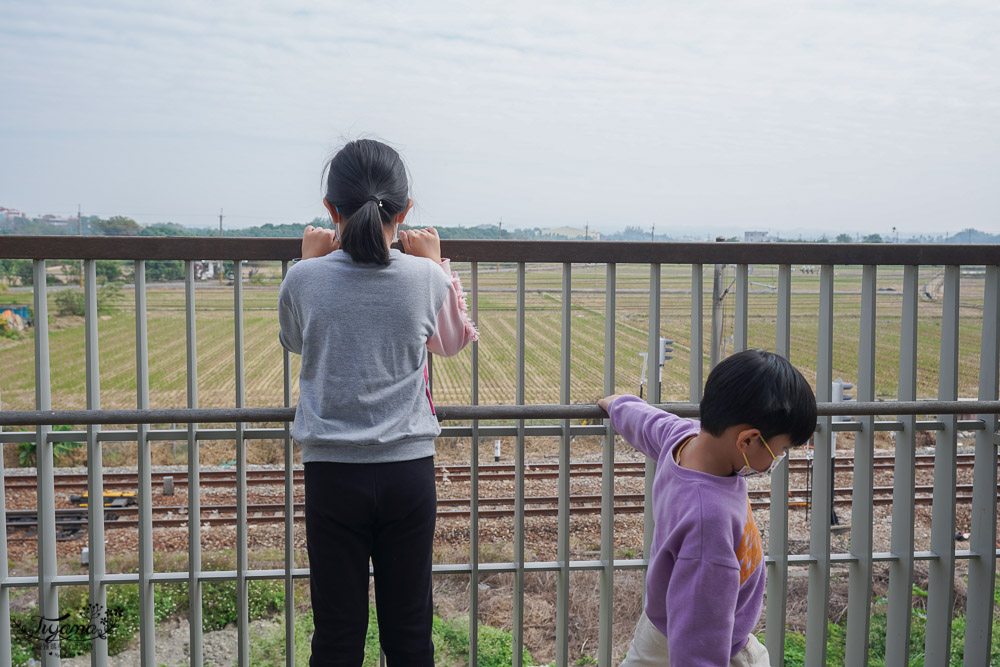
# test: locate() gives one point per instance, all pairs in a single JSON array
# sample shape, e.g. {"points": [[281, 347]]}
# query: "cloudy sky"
{"points": [[698, 117]]}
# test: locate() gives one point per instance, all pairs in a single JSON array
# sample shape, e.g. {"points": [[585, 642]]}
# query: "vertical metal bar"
{"points": [[715, 354], [147, 619], [194, 481], [48, 595], [95, 467], [242, 594], [286, 383], [783, 330], [941, 571], [6, 654], [983, 521], [819, 534], [697, 364], [742, 304], [518, 626], [607, 578], [653, 396], [474, 488], [860, 571], [562, 581], [899, 609], [777, 541]]}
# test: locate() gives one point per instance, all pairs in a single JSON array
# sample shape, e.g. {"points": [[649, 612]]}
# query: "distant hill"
{"points": [[972, 236]]}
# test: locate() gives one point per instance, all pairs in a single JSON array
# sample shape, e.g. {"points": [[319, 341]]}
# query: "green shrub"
{"points": [[27, 451], [72, 301], [219, 607], [496, 648]]}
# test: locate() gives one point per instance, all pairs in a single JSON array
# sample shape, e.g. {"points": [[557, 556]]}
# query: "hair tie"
{"points": [[375, 199]]}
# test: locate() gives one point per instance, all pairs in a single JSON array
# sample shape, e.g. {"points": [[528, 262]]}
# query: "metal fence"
{"points": [[860, 559]]}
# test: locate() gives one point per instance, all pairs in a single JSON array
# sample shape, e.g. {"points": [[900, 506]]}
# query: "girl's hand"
{"points": [[317, 242], [422, 243], [606, 402]]}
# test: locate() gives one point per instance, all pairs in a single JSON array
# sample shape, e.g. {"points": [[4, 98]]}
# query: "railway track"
{"points": [[453, 473], [70, 522]]}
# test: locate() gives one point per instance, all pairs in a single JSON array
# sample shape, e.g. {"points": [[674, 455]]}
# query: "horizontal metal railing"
{"points": [[981, 555], [447, 413]]}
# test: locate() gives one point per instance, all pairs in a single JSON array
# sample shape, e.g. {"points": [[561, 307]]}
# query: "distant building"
{"points": [[10, 213], [756, 237], [572, 233], [56, 221]]}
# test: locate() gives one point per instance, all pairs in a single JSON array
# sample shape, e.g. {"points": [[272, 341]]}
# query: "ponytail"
{"points": [[366, 182], [362, 236]]}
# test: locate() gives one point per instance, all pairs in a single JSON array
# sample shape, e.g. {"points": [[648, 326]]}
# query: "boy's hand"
{"points": [[422, 243], [606, 402], [317, 242]]}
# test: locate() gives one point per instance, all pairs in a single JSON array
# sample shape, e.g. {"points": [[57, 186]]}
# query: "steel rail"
{"points": [[278, 514], [451, 473]]}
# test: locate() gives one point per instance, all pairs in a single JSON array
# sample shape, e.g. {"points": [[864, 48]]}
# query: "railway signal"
{"points": [[665, 354], [838, 395]]}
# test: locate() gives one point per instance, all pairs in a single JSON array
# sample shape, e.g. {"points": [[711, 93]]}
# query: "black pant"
{"points": [[385, 511]]}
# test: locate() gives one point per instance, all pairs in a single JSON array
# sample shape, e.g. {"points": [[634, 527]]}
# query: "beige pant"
{"points": [[649, 648]]}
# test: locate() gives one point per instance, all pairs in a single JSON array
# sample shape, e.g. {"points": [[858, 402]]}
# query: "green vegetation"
{"points": [[795, 643], [27, 451], [451, 643], [72, 301], [218, 602]]}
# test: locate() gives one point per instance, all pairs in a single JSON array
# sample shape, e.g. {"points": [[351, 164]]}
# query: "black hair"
{"points": [[762, 389], [366, 182]]}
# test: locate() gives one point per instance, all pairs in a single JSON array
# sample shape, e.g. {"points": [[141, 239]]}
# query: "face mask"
{"points": [[747, 471]]}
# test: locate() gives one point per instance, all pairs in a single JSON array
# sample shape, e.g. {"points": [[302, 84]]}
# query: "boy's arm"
{"points": [[644, 427], [701, 611]]}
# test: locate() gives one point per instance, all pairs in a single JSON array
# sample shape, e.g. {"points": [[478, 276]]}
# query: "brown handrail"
{"points": [[234, 248]]}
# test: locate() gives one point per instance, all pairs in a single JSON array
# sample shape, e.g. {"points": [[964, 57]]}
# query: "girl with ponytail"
{"points": [[364, 316]]}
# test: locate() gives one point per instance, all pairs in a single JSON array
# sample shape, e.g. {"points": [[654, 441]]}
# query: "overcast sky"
{"points": [[698, 117]]}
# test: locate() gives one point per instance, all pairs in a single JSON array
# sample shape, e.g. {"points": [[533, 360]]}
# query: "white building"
{"points": [[756, 237]]}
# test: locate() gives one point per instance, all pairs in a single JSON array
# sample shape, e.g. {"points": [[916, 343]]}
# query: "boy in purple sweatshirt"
{"points": [[705, 582]]}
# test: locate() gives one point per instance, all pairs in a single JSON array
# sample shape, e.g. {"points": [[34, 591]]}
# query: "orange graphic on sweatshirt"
{"points": [[749, 552]]}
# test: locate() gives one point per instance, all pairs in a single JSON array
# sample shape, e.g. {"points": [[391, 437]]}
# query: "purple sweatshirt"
{"points": [[705, 583]]}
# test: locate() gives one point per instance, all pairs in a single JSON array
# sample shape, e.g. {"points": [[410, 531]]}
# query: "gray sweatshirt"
{"points": [[363, 332]]}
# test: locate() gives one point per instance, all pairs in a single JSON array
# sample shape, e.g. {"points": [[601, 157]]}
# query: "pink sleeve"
{"points": [[453, 329]]}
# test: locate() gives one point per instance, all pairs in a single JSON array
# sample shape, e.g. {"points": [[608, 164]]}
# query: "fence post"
{"points": [[983, 520], [862, 541], [941, 570], [899, 611]]}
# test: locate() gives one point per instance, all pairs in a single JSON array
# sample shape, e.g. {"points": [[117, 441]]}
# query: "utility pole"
{"points": [[499, 236], [652, 233], [586, 231], [221, 266]]}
